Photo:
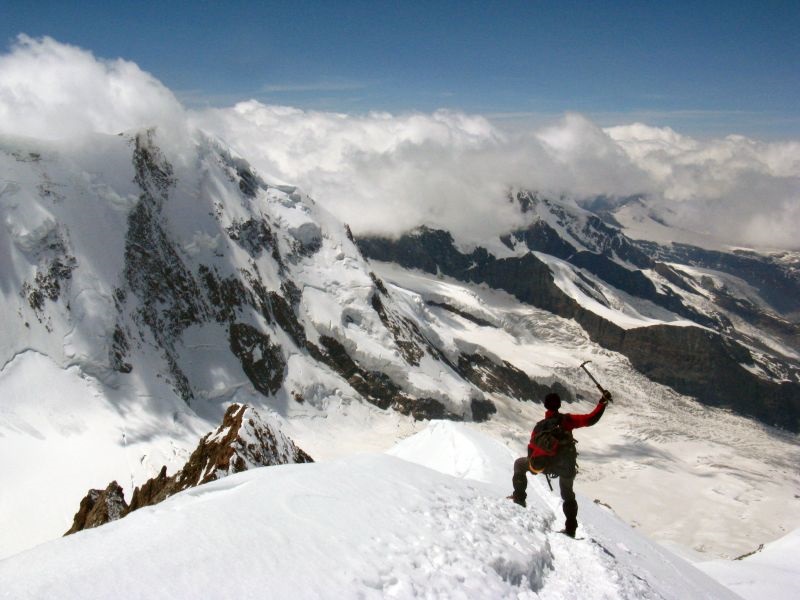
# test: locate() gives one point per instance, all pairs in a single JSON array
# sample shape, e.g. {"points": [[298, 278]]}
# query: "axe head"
{"points": [[586, 362]]}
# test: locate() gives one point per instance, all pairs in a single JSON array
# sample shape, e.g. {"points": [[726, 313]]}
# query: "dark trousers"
{"points": [[520, 479], [568, 503]]}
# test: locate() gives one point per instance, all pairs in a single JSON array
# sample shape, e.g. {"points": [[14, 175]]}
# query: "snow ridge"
{"points": [[371, 526]]}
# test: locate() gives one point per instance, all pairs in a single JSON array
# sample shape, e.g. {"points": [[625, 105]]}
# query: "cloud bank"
{"points": [[385, 173], [51, 90]]}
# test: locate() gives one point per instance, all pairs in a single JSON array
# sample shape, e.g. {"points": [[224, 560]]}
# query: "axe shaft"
{"points": [[599, 387]]}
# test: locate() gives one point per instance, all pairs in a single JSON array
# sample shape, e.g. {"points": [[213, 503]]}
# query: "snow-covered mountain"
{"points": [[719, 326], [369, 526], [149, 283], [152, 279]]}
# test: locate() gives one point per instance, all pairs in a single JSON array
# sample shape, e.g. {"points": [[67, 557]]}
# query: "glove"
{"points": [[606, 398]]}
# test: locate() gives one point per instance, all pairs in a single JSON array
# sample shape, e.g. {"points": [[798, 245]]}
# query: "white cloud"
{"points": [[735, 188], [53, 90], [388, 173]]}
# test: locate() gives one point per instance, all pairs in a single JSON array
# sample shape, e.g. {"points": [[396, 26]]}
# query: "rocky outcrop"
{"points": [[169, 296], [262, 361], [608, 244], [100, 507], [244, 440], [706, 365], [504, 378], [776, 279], [53, 272]]}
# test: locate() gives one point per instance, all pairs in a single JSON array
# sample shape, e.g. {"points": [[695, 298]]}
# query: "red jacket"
{"points": [[570, 421]]}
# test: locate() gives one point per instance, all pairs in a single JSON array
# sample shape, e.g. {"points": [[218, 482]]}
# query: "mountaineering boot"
{"points": [[569, 506], [570, 527], [517, 499]]}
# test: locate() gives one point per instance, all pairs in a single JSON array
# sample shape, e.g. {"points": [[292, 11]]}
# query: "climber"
{"points": [[552, 451]]}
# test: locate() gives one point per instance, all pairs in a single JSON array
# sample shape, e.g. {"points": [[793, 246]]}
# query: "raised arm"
{"points": [[587, 420]]}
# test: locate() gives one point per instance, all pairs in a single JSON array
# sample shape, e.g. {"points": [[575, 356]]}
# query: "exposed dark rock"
{"points": [[291, 292], [26, 156], [608, 240], [423, 408], [693, 361], [277, 308], [53, 272], [282, 313], [307, 239], [482, 409], [676, 278], [505, 378], [169, 297], [254, 236], [153, 172], [239, 170], [376, 387], [119, 351], [541, 238], [777, 283], [406, 334], [607, 243], [461, 313], [99, 507], [261, 296], [782, 329], [704, 364], [591, 288], [424, 249], [248, 182], [243, 441], [262, 361], [526, 199], [379, 283], [636, 284], [225, 295]]}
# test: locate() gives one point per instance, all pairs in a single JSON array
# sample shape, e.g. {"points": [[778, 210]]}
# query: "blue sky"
{"points": [[704, 68]]}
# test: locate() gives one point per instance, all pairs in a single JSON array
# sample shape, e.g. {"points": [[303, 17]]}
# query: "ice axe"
{"points": [[603, 391]]}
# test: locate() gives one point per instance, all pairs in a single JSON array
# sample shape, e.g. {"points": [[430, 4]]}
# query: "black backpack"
{"points": [[553, 448]]}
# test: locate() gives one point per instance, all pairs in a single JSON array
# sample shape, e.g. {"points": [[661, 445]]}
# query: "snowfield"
{"points": [[687, 474], [772, 572], [151, 278], [94, 390], [368, 526]]}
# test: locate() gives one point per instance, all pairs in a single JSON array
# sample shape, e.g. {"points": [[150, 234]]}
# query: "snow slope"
{"points": [[772, 572], [60, 435], [147, 281], [74, 415], [369, 526], [684, 473]]}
